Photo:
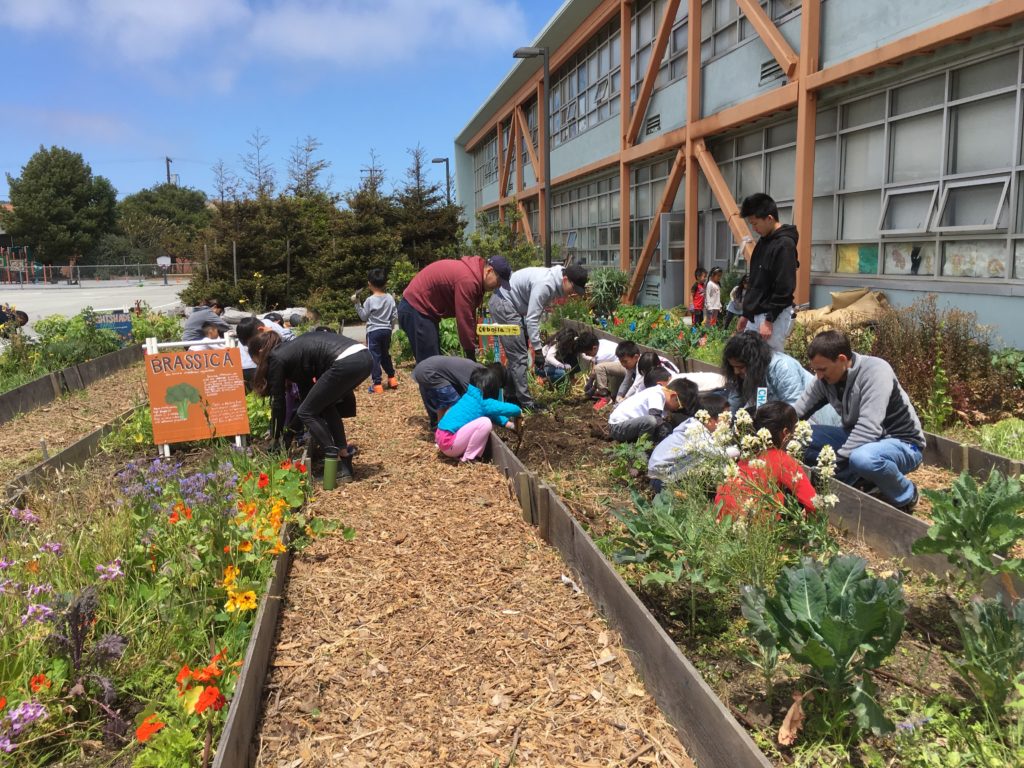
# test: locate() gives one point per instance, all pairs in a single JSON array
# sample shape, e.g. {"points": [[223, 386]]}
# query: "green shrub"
{"points": [[993, 650], [1005, 437], [605, 288], [148, 324]]}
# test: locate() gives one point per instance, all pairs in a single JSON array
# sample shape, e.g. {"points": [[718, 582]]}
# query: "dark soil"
{"points": [[568, 448]]}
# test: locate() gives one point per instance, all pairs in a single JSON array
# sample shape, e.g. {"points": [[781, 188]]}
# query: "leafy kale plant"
{"points": [[993, 640], [842, 623], [971, 523]]}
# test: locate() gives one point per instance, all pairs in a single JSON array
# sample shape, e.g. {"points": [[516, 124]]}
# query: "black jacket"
{"points": [[772, 280], [301, 361]]}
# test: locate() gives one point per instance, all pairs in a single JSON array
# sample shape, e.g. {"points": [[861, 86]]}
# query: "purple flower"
{"points": [[38, 589], [8, 584], [52, 546], [24, 516], [6, 745], [24, 715], [110, 571], [5, 564], [36, 612]]}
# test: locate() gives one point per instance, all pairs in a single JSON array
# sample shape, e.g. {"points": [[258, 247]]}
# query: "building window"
{"points": [[585, 91], [973, 205], [585, 221], [907, 211], [723, 27]]}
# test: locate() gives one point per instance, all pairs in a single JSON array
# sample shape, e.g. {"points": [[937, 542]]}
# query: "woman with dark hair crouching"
{"points": [[327, 369]]}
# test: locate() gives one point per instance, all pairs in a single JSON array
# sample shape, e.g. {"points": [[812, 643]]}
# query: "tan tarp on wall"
{"points": [[849, 309]]}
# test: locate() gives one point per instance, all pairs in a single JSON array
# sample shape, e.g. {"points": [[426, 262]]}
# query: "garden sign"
{"points": [[496, 329], [196, 395]]}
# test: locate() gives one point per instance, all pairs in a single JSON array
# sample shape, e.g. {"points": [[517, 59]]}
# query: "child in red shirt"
{"points": [[773, 474], [697, 295]]}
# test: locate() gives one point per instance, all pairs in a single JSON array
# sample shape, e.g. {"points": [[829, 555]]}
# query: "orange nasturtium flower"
{"points": [[3, 702], [38, 682], [149, 726], [210, 698], [301, 467], [264, 481], [230, 574], [278, 548], [286, 465], [245, 546]]}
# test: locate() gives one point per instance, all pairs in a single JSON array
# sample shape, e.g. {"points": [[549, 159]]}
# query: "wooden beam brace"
{"points": [[720, 189], [539, 171], [806, 123], [770, 35], [504, 160], [643, 98], [625, 71], [654, 236], [962, 26], [525, 218], [691, 214]]}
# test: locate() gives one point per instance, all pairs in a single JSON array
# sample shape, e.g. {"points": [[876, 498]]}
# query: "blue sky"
{"points": [[128, 82]]}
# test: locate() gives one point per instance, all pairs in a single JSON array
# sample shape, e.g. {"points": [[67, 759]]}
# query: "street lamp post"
{"points": [[530, 53], [447, 177]]}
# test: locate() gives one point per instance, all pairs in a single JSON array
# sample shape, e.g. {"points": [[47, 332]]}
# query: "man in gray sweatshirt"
{"points": [[529, 293], [210, 312], [880, 439]]}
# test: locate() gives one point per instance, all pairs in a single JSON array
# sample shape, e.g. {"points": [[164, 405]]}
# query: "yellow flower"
{"points": [[246, 600], [278, 548], [230, 574], [245, 546]]}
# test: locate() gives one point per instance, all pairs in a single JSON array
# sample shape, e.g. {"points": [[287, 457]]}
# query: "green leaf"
{"points": [[866, 710], [805, 593]]}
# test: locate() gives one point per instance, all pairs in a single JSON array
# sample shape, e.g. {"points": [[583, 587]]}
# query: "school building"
{"points": [[891, 134]]}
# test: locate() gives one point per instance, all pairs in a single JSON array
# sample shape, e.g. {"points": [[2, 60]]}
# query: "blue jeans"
{"points": [[553, 374], [379, 344], [438, 399], [424, 336], [884, 463]]}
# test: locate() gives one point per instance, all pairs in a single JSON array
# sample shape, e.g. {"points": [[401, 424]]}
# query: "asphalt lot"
{"points": [[42, 300]]}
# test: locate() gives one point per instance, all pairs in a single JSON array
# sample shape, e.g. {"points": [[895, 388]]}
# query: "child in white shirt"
{"points": [[646, 413], [713, 296]]}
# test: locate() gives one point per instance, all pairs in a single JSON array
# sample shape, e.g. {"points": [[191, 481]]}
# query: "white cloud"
{"points": [[346, 33]]}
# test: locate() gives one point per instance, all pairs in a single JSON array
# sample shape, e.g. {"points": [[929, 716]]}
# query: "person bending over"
{"points": [[327, 368], [648, 412], [880, 439], [689, 447], [463, 431], [443, 380]]}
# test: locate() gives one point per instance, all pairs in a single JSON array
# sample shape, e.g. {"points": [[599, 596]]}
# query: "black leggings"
{"points": [[318, 409]]}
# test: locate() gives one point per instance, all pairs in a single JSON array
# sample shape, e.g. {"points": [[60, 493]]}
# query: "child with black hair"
{"points": [[689, 445], [648, 412], [560, 355], [647, 362], [463, 431], [380, 315], [734, 308], [606, 370], [700, 276], [774, 473], [713, 295]]}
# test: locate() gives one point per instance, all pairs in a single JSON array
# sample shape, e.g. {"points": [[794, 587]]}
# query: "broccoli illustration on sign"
{"points": [[181, 396]]}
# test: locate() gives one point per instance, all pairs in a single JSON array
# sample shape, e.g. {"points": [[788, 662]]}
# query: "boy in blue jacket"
{"points": [[463, 431]]}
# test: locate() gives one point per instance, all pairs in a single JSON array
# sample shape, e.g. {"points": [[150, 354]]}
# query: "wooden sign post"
{"points": [[195, 394]]}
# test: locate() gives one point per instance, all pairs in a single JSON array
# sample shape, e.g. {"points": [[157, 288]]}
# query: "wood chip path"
{"points": [[443, 634], [67, 420]]}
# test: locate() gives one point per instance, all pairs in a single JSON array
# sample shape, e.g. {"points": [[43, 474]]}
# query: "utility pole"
{"points": [[168, 162]]}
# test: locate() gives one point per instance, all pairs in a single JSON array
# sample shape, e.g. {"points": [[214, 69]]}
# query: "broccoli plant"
{"points": [[842, 623], [971, 523], [181, 396]]}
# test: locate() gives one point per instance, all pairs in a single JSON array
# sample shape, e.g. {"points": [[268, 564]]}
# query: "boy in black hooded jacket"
{"points": [[768, 301]]}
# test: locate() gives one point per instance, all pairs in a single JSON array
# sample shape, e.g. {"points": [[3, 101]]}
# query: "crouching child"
{"points": [[463, 432], [648, 412], [767, 480], [690, 446]]}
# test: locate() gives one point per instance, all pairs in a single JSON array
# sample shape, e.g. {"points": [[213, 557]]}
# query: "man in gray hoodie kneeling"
{"points": [[880, 440]]}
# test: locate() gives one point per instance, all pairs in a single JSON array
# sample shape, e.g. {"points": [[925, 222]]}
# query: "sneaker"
{"points": [[392, 382], [908, 508], [345, 473], [601, 403], [376, 389]]}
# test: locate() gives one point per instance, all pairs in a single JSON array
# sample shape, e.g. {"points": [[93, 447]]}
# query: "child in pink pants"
{"points": [[463, 431]]}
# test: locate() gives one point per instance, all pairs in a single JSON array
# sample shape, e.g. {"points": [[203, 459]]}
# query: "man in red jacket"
{"points": [[448, 288]]}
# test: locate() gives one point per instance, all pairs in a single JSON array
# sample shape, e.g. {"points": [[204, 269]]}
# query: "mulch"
{"points": [[446, 633], [66, 420]]}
